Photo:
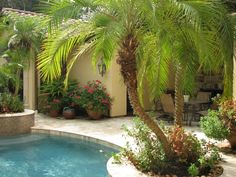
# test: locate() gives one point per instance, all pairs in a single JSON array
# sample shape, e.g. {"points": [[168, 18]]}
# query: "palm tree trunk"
{"points": [[127, 61], [179, 101]]}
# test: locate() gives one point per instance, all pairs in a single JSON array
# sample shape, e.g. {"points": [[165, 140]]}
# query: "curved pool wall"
{"points": [[16, 123], [43, 155], [74, 135]]}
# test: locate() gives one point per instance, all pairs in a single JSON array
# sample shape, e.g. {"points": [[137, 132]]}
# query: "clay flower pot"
{"points": [[94, 114], [54, 113], [68, 113], [232, 138]]}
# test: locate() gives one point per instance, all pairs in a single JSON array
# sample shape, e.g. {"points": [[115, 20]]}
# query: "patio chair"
{"points": [[168, 106], [204, 96]]}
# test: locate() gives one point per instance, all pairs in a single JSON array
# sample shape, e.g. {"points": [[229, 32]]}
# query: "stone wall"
{"points": [[16, 123]]}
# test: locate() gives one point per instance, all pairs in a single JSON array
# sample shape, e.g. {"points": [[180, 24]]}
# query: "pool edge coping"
{"points": [[75, 135]]}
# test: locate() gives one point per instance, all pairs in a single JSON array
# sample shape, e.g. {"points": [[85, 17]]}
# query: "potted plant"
{"points": [[73, 89], [221, 124], [54, 107], [68, 112], [94, 99]]}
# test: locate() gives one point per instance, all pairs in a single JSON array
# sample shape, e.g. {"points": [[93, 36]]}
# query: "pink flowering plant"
{"points": [[94, 96]]}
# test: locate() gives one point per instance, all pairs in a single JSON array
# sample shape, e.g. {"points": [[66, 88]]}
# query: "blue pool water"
{"points": [[52, 156]]}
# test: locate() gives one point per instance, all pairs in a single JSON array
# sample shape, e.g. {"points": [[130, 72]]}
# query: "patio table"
{"points": [[190, 107]]}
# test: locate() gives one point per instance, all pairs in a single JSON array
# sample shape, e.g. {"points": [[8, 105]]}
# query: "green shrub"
{"points": [[148, 154], [193, 170], [213, 127], [10, 103]]}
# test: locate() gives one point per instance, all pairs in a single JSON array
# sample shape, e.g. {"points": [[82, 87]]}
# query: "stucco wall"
{"points": [[83, 71]]}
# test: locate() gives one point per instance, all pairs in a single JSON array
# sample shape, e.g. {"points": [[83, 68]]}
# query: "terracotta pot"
{"points": [[94, 114], [68, 113], [232, 138], [54, 113]]}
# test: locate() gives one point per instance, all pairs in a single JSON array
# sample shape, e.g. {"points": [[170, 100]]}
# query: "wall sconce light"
{"points": [[101, 68]]}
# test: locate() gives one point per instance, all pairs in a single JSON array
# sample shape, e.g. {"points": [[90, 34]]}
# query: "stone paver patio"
{"points": [[110, 130]]}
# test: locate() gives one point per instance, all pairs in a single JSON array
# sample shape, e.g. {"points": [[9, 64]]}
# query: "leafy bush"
{"points": [[148, 154], [218, 124], [10, 103], [227, 112], [191, 156], [213, 127], [185, 145]]}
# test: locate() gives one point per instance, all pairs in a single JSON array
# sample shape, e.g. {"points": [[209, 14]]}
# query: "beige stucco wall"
{"points": [[83, 71]]}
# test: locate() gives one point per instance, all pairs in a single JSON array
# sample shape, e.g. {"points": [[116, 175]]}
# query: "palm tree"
{"points": [[145, 35], [21, 44], [206, 41]]}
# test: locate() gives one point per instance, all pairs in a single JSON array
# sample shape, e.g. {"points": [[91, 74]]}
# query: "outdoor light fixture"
{"points": [[101, 68]]}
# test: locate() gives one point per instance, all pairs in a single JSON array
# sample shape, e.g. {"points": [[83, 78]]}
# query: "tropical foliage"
{"points": [[148, 36], [57, 96], [10, 103], [20, 43]]}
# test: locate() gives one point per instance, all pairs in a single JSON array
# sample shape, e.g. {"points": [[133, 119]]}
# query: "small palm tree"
{"points": [[21, 37], [147, 35]]}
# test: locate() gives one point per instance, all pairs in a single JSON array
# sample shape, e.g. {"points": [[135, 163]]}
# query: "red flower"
{"points": [[56, 101], [86, 87], [104, 101], [90, 90]]}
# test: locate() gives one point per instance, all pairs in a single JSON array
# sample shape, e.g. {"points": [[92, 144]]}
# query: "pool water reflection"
{"points": [[52, 156]]}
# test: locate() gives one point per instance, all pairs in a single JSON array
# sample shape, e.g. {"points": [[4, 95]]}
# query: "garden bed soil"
{"points": [[117, 170]]}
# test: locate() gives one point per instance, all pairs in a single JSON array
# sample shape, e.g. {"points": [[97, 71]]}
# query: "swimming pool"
{"points": [[39, 155]]}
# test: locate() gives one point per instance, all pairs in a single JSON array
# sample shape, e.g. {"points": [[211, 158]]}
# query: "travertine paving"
{"points": [[110, 130]]}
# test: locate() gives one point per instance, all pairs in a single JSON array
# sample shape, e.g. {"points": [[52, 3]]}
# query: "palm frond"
{"points": [[58, 47]]}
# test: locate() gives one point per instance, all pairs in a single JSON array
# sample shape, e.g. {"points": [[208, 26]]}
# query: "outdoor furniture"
{"points": [[203, 97], [168, 105], [191, 108]]}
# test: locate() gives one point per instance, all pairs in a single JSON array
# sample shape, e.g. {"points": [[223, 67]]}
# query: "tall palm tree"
{"points": [[145, 34]]}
